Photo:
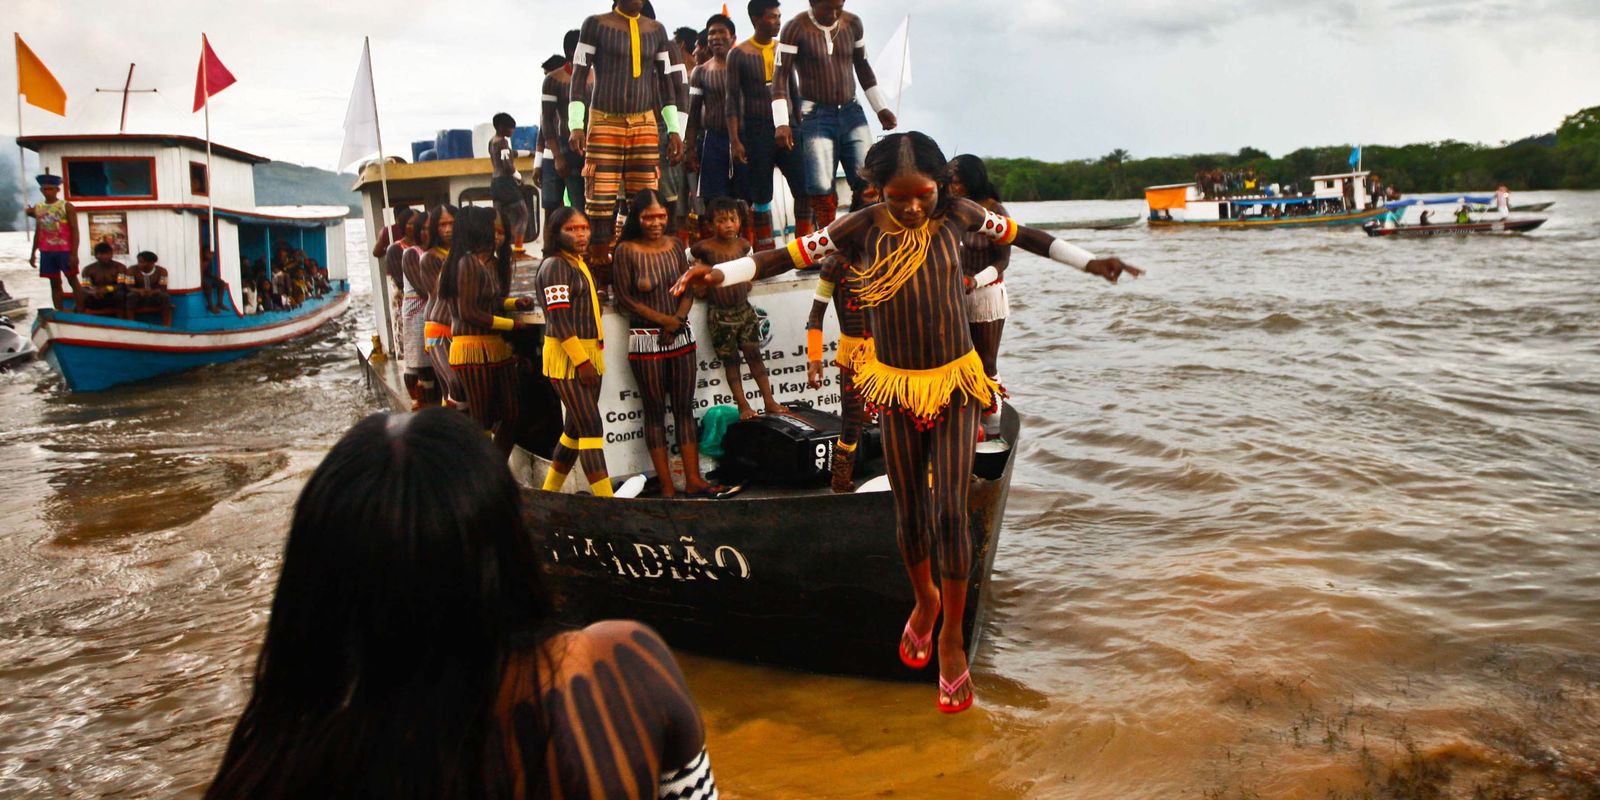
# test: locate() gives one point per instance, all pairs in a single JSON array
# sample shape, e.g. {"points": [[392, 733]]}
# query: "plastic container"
{"points": [[481, 134], [453, 143], [427, 155], [525, 137], [418, 148]]}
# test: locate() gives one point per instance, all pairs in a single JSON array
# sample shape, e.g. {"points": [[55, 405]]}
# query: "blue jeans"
{"points": [[754, 183], [718, 174], [832, 136]]}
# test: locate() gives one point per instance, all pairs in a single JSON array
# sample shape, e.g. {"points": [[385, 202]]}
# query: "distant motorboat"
{"points": [[1341, 199]]}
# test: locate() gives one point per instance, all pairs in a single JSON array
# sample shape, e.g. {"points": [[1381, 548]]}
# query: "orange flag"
{"points": [[35, 82], [212, 76], [725, 10]]}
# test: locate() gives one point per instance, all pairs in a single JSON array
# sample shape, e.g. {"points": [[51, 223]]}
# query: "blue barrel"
{"points": [[418, 148], [454, 143], [524, 137]]}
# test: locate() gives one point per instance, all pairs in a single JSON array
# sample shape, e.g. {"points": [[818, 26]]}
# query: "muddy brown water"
{"points": [[1301, 514]]}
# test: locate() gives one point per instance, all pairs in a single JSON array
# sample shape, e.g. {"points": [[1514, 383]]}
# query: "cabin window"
{"points": [[1327, 184], [110, 178], [199, 179]]}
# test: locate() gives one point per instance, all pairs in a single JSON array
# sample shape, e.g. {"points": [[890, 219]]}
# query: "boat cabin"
{"points": [[1349, 188], [153, 192]]}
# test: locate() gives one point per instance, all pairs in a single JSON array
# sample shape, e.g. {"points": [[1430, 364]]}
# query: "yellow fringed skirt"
{"points": [[478, 350], [855, 351], [558, 365], [923, 394]]}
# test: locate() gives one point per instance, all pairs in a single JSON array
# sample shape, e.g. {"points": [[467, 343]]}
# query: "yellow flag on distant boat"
{"points": [[35, 82]]}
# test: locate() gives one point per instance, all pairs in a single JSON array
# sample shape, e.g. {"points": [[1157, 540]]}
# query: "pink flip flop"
{"points": [[949, 689], [923, 643]]}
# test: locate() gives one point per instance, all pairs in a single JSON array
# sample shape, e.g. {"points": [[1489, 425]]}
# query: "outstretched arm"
{"points": [[1007, 231]]}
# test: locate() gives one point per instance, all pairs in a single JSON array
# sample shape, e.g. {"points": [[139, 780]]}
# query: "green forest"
{"points": [[1569, 158]]}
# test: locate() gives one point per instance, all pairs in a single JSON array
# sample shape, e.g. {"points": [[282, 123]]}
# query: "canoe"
{"points": [[1089, 224], [13, 306], [1455, 228], [796, 578], [1534, 207]]}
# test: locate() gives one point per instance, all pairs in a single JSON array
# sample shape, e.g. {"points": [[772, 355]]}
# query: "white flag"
{"points": [[361, 116], [894, 63]]}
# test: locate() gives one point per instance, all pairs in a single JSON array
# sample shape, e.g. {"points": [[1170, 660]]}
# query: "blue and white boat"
{"points": [[155, 192]]}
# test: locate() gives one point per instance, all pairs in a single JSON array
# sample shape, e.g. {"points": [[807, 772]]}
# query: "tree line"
{"points": [[1566, 159]]}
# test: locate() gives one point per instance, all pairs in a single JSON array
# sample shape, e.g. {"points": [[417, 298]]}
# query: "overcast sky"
{"points": [[1052, 79]]}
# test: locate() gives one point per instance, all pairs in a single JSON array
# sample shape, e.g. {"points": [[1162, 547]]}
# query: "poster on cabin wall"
{"points": [[111, 228]]}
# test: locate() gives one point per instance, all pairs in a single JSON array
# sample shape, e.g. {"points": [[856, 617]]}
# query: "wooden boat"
{"points": [[804, 579], [13, 306], [1110, 223], [1456, 228], [153, 192], [1335, 200], [1533, 207]]}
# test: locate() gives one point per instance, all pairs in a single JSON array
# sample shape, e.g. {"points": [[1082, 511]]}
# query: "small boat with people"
{"points": [[198, 293], [1344, 199], [1460, 223]]}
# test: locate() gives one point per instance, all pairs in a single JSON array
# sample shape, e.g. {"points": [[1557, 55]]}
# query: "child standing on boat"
{"points": [[506, 186], [735, 326], [55, 239]]}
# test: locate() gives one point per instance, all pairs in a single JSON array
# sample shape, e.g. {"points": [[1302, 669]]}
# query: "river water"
{"points": [[1300, 514]]}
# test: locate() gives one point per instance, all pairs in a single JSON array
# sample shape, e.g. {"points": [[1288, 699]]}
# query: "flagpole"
{"points": [[383, 168], [905, 56], [211, 194], [22, 178]]}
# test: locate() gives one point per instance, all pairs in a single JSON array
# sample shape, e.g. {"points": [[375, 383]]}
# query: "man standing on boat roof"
{"points": [[638, 73], [55, 239], [562, 170], [823, 46], [752, 115]]}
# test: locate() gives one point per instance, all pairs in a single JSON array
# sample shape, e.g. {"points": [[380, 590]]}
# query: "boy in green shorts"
{"points": [[735, 326]]}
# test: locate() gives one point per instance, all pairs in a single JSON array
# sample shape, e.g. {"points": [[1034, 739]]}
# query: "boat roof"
{"points": [[1342, 175], [303, 212], [430, 170], [37, 143]]}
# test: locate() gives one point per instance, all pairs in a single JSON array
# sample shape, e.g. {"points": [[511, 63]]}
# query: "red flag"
{"points": [[212, 77]]}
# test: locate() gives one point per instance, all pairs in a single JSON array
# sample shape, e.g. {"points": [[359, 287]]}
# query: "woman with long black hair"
{"points": [[984, 263], [436, 313], [476, 283], [661, 345], [574, 350], [413, 651], [924, 378]]}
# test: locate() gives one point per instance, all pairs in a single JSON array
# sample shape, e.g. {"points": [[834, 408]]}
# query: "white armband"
{"points": [[988, 276], [548, 154], [547, 98], [875, 97], [580, 55], [737, 271], [1070, 254], [522, 153], [780, 113]]}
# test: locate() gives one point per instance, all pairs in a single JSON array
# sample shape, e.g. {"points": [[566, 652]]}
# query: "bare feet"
{"points": [[774, 407], [746, 412]]}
